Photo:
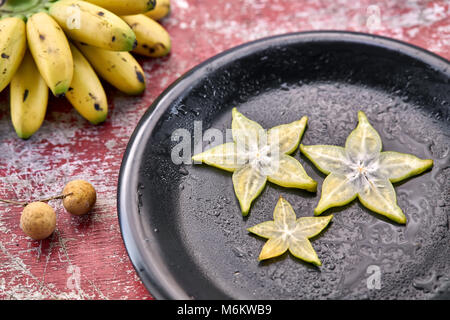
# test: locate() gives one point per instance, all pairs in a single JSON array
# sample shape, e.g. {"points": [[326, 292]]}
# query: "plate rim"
{"points": [[161, 285]]}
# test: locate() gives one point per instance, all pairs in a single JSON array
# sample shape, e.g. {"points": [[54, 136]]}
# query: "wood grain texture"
{"points": [[86, 258]]}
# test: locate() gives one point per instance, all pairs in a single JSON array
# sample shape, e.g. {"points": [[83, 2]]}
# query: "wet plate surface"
{"points": [[182, 224]]}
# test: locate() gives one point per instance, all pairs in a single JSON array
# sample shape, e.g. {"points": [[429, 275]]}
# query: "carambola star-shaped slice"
{"points": [[286, 232], [362, 170], [257, 155]]}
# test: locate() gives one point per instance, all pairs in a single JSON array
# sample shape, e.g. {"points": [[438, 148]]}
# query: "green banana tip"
{"points": [[131, 41], [98, 121], [61, 89], [24, 136]]}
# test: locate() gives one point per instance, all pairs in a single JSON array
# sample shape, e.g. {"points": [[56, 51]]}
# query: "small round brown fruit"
{"points": [[81, 197], [38, 220]]}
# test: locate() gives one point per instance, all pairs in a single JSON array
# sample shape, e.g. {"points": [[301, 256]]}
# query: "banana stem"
{"points": [[22, 8], [23, 203], [15, 3], [13, 6]]}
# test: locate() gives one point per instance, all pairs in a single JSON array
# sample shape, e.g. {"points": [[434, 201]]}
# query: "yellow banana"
{"points": [[93, 25], [161, 10], [29, 97], [118, 68], [51, 51], [152, 39], [86, 92], [12, 48], [121, 7]]}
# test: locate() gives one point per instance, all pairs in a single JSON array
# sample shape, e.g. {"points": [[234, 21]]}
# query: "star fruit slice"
{"points": [[361, 170], [286, 232], [256, 156]]}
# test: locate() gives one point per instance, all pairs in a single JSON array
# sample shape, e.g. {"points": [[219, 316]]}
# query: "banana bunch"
{"points": [[62, 45]]}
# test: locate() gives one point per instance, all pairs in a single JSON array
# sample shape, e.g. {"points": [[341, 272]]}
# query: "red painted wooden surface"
{"points": [[86, 258]]}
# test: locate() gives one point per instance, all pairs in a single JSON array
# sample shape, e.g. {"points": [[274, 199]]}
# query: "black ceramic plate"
{"points": [[182, 225]]}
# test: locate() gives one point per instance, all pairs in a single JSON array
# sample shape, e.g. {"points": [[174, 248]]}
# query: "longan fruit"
{"points": [[38, 220], [81, 197]]}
